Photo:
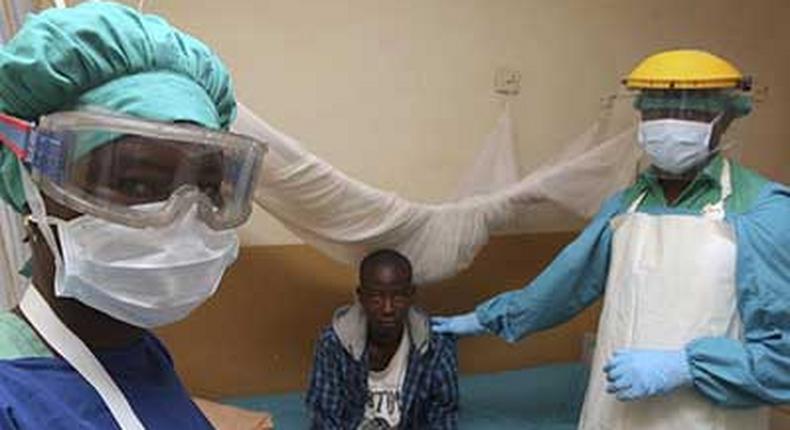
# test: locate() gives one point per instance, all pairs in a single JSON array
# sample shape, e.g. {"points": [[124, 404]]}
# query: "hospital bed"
{"points": [[544, 398], [537, 398]]}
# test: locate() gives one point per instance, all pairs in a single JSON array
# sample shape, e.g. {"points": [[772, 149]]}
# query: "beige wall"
{"points": [[398, 93]]}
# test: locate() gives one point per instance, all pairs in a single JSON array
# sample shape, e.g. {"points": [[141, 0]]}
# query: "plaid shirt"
{"points": [[339, 385]]}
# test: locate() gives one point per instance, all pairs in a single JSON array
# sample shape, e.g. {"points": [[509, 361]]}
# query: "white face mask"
{"points": [[145, 277], [675, 145]]}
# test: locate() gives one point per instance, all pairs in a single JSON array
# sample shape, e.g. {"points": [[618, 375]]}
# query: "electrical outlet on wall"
{"points": [[507, 81]]}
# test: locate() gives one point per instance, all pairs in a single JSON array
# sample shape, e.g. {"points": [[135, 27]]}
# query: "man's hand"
{"points": [[461, 325], [638, 373]]}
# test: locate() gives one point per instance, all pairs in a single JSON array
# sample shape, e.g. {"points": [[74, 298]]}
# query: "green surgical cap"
{"points": [[108, 56], [739, 104]]}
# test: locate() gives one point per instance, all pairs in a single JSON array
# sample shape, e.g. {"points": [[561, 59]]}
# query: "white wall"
{"points": [[398, 93]]}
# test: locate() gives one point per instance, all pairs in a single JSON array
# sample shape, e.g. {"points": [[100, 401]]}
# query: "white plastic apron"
{"points": [[671, 280]]}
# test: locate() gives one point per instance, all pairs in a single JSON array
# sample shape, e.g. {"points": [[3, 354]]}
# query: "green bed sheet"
{"points": [[543, 398]]}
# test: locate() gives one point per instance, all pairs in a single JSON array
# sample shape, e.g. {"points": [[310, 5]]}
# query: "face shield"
{"points": [[136, 172], [686, 100]]}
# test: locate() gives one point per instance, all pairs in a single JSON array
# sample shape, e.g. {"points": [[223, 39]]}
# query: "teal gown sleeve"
{"points": [[571, 283], [756, 370]]}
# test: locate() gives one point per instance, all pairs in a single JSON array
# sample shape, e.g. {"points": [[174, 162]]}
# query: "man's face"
{"points": [[132, 171], [386, 297]]}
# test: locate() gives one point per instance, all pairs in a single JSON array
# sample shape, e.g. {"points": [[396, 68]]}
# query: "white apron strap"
{"points": [[715, 211], [637, 202], [77, 354]]}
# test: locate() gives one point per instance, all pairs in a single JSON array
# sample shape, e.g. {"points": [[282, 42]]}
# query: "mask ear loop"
{"points": [[725, 142], [38, 214]]}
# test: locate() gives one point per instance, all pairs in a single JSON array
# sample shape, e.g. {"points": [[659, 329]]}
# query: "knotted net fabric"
{"points": [[346, 218]]}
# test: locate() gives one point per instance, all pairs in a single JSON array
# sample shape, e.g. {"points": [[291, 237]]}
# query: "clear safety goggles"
{"points": [[137, 172]]}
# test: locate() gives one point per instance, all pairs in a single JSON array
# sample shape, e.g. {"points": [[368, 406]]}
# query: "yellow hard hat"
{"points": [[685, 69]]}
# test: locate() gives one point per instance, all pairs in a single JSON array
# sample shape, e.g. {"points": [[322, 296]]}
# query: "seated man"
{"points": [[379, 366], [130, 215]]}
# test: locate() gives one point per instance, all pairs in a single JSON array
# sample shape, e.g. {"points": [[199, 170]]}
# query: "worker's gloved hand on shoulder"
{"points": [[460, 325]]}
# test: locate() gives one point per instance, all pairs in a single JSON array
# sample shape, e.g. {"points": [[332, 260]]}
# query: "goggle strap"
{"points": [[15, 135], [46, 156], [42, 152]]}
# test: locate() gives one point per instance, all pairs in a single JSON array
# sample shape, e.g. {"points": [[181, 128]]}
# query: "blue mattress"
{"points": [[544, 398]]}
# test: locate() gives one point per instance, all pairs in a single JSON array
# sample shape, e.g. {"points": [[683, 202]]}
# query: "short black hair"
{"points": [[383, 258]]}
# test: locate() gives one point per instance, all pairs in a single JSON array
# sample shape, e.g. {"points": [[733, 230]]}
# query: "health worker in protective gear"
{"points": [[114, 147], [694, 261]]}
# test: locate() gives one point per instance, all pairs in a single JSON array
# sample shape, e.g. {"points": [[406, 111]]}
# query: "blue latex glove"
{"points": [[638, 373], [461, 325]]}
